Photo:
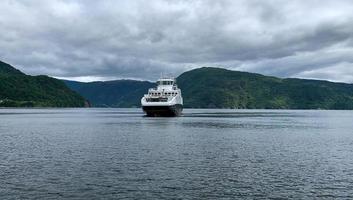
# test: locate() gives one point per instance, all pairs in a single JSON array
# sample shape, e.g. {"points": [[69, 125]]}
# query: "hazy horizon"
{"points": [[98, 79]]}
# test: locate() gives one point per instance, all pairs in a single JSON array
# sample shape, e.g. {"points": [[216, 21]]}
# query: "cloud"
{"points": [[138, 39]]}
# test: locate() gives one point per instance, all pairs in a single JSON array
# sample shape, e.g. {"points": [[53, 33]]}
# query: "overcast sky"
{"points": [[114, 39]]}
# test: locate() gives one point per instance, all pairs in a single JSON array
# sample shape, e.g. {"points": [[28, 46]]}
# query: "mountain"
{"points": [[220, 88], [20, 90], [120, 93]]}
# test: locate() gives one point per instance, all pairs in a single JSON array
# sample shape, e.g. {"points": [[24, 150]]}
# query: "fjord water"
{"points": [[205, 154]]}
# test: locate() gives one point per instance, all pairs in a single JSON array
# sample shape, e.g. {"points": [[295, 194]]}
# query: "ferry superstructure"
{"points": [[165, 100]]}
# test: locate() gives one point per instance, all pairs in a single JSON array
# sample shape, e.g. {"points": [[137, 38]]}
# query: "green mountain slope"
{"points": [[9, 70], [120, 93], [221, 88], [20, 90]]}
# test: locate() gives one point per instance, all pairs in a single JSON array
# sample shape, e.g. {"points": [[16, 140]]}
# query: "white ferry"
{"points": [[163, 101]]}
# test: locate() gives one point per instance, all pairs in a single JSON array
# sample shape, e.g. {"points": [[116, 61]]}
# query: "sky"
{"points": [[91, 40]]}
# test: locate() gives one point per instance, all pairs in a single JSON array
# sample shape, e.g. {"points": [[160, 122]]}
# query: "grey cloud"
{"points": [[140, 39]]}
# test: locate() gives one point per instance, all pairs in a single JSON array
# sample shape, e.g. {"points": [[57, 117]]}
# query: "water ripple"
{"points": [[206, 154]]}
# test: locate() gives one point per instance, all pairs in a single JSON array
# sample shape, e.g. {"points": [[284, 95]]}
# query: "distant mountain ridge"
{"points": [[119, 93], [221, 88], [20, 90]]}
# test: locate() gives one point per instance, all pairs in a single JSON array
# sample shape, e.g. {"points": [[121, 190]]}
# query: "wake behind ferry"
{"points": [[163, 101]]}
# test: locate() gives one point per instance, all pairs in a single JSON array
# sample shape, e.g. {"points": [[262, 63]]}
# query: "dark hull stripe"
{"points": [[163, 111]]}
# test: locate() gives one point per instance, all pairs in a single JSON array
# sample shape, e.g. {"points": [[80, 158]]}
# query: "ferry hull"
{"points": [[163, 111]]}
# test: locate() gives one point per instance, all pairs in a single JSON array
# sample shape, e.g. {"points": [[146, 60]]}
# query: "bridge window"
{"points": [[165, 83]]}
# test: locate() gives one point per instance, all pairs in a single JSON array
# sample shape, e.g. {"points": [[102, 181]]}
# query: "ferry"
{"points": [[163, 101]]}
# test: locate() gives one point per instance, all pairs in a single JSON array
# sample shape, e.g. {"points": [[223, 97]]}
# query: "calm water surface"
{"points": [[206, 154]]}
